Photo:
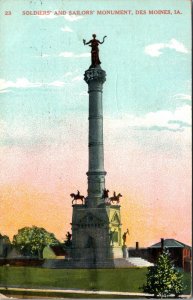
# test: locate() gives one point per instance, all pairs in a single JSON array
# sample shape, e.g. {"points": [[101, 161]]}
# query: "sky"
{"points": [[147, 113]]}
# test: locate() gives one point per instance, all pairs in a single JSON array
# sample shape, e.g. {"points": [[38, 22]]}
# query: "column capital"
{"points": [[95, 74]]}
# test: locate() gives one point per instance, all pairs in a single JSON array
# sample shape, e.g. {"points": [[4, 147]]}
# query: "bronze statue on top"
{"points": [[94, 43], [111, 237]]}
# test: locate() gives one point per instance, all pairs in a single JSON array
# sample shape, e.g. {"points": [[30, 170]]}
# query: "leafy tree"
{"points": [[163, 279], [32, 240]]}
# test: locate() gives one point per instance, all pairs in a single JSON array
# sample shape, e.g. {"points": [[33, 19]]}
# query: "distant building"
{"points": [[180, 252], [5, 245], [54, 252], [14, 253]]}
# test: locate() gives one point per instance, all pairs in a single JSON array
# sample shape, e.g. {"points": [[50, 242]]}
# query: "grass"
{"points": [[187, 282], [125, 280], [89, 279]]}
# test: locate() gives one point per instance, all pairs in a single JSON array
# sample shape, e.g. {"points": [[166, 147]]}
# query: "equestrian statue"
{"points": [[77, 197]]}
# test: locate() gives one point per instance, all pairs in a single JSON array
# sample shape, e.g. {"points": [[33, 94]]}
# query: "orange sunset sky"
{"points": [[156, 189], [147, 115]]}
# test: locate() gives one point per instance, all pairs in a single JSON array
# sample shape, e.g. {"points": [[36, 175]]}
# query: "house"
{"points": [[54, 252], [180, 252]]}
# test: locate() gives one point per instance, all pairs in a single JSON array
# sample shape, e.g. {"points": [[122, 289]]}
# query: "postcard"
{"points": [[95, 148]]}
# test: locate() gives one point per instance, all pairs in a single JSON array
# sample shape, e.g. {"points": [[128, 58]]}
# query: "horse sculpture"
{"points": [[77, 197], [115, 198]]}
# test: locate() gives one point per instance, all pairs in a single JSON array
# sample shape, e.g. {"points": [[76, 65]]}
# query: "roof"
{"points": [[170, 243], [58, 250]]}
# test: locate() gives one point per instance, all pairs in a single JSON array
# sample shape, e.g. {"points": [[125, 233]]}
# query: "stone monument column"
{"points": [[95, 77], [96, 223]]}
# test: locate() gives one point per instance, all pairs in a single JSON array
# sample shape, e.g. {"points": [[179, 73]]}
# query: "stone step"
{"points": [[140, 262], [57, 264], [123, 263], [68, 264]]}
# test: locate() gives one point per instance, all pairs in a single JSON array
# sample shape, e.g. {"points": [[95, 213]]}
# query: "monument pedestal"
{"points": [[117, 252], [125, 252], [96, 235]]}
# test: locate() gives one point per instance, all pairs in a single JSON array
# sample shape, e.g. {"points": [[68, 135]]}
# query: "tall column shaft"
{"points": [[95, 77]]}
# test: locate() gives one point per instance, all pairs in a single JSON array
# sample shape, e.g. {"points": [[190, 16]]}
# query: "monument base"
{"points": [[117, 263], [117, 252], [96, 235], [125, 252]]}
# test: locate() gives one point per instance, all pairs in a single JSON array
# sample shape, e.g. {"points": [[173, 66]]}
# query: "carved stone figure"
{"points": [[111, 237], [124, 237], [105, 193], [68, 236], [94, 43]]}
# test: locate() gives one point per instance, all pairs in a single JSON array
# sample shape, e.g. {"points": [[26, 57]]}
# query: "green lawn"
{"points": [[126, 280], [88, 279]]}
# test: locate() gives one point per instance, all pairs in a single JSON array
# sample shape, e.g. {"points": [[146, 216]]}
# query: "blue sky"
{"points": [[138, 82], [146, 57]]}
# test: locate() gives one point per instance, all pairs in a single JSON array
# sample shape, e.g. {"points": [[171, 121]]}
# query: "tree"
{"points": [[163, 279], [32, 240]]}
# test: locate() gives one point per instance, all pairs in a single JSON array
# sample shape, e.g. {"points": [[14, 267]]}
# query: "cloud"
{"points": [[30, 131], [67, 74], [171, 120], [57, 83], [33, 132], [66, 29], [154, 49], [159, 120], [24, 83], [77, 78], [66, 54], [71, 54], [182, 97], [179, 47], [19, 83], [4, 91]]}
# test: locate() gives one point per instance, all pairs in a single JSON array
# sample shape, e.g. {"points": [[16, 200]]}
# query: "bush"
{"points": [[163, 279]]}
